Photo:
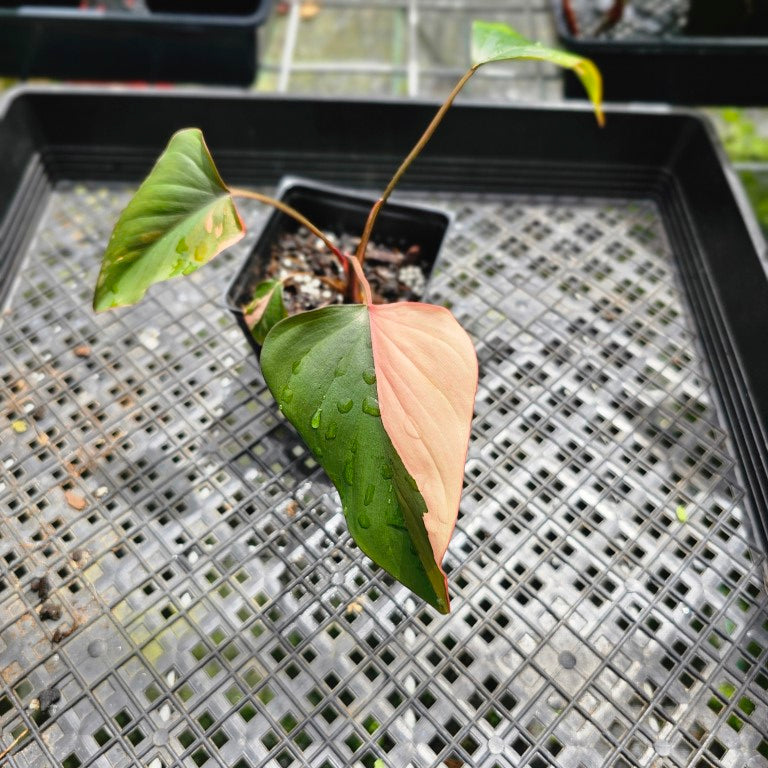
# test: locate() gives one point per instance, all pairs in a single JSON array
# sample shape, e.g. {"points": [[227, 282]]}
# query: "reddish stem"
{"points": [[294, 214], [361, 280], [412, 155], [570, 18], [612, 17]]}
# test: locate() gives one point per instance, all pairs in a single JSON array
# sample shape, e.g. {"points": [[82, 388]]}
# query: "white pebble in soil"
{"points": [[413, 277], [313, 288]]}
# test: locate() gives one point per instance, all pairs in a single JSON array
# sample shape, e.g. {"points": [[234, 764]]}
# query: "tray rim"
{"points": [[624, 108]]}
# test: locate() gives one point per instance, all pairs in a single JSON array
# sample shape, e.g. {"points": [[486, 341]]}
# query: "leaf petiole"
{"points": [[294, 214], [361, 280], [420, 144]]}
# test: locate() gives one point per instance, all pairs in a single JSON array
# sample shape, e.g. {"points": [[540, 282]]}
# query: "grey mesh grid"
{"points": [[607, 605], [401, 48], [651, 19]]}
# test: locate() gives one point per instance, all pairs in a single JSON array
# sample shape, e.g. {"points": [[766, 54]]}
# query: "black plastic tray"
{"points": [[207, 505], [47, 135], [206, 45], [339, 212], [673, 68]]}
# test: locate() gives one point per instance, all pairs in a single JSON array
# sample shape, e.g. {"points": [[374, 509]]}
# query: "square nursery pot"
{"points": [[339, 212], [205, 41], [606, 560], [672, 50]]}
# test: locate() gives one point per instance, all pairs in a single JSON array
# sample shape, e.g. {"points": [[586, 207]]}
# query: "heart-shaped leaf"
{"points": [[495, 41], [389, 428], [179, 219], [266, 309]]}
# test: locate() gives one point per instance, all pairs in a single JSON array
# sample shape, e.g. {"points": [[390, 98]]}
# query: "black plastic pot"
{"points": [[337, 211], [205, 42], [680, 68]]}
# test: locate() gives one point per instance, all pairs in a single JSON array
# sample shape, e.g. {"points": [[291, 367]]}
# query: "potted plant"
{"points": [[711, 18], [407, 239], [747, 148], [682, 51], [382, 394]]}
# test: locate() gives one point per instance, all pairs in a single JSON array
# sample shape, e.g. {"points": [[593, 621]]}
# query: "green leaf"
{"points": [[495, 41], [179, 219], [319, 366], [265, 310]]}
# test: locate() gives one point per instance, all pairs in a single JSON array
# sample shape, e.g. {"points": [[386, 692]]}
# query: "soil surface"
{"points": [[315, 278]]}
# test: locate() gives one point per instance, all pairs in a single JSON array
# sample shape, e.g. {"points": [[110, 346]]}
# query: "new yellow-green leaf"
{"points": [[495, 41], [179, 219]]}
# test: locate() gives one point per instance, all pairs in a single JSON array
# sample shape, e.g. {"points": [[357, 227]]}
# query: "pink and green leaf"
{"points": [[496, 41], [426, 411], [369, 396], [265, 310], [179, 219]]}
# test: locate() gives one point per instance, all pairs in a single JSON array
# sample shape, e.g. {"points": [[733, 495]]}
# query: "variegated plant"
{"points": [[364, 384]]}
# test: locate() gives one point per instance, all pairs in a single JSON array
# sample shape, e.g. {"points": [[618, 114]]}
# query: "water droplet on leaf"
{"points": [[394, 516], [330, 433], [287, 394], [369, 376], [341, 368], [363, 520], [371, 406], [182, 246], [344, 406], [315, 423], [349, 472], [386, 472]]}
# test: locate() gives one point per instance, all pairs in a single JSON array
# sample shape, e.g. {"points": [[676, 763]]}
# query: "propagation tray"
{"points": [[608, 606], [210, 42], [648, 57]]}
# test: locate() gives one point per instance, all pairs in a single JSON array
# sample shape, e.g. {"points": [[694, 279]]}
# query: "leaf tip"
{"points": [[443, 603], [191, 131], [102, 301], [592, 80]]}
